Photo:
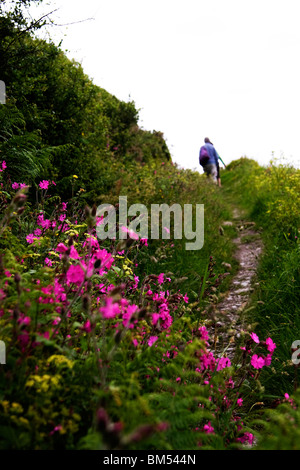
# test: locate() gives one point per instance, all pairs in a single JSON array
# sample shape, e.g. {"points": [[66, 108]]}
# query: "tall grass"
{"points": [[271, 197], [165, 183]]}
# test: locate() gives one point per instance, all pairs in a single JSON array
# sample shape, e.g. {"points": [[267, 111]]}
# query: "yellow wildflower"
{"points": [[5, 405], [16, 408], [59, 360], [24, 421]]}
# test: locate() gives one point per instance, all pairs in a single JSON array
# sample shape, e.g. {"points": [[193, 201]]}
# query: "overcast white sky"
{"points": [[225, 69]]}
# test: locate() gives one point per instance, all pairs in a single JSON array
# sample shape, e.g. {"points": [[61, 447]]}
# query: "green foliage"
{"points": [[271, 197], [75, 378], [58, 123], [278, 428], [23, 150], [141, 395]]}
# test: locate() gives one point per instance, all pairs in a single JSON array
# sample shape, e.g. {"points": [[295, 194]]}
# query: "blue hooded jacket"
{"points": [[213, 156]]}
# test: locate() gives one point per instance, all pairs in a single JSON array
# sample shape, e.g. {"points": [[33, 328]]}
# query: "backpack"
{"points": [[203, 156]]}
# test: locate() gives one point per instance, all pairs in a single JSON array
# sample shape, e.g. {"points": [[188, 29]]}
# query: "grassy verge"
{"points": [[270, 197], [104, 348]]}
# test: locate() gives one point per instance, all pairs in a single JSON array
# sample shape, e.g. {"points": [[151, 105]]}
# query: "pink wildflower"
{"points": [[111, 309], [57, 428], [257, 362], [240, 402], [152, 340], [73, 253], [61, 248], [270, 345], [106, 259], [160, 278], [155, 318], [24, 338], [208, 428], [3, 166], [91, 242], [87, 326], [136, 281], [247, 438], [40, 219], [15, 185], [99, 220], [204, 333], [186, 299], [130, 232], [255, 338], [165, 317], [24, 320], [268, 360], [48, 262], [75, 274], [131, 309], [44, 184], [30, 238], [223, 362], [144, 241], [207, 361], [46, 224]]}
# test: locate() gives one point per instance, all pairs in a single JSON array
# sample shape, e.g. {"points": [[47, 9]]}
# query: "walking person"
{"points": [[209, 160]]}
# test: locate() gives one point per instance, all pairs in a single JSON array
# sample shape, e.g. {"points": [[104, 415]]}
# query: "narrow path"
{"points": [[228, 312]]}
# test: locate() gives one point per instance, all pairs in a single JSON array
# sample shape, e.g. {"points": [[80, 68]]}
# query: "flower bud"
{"points": [[97, 264], [115, 291], [121, 245], [118, 337], [141, 433], [19, 199], [94, 210], [129, 242], [102, 419], [16, 313], [87, 211], [86, 302], [21, 210], [142, 313]]}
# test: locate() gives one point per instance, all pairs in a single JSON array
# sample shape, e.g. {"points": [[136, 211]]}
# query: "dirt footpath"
{"points": [[228, 311]]}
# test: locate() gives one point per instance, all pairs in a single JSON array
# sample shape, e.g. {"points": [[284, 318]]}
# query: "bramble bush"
{"points": [[101, 356]]}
